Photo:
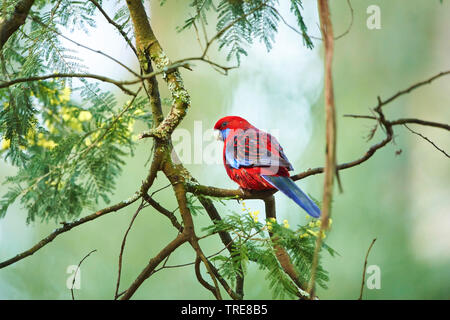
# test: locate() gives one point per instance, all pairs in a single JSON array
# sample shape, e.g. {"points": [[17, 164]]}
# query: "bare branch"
{"points": [[68, 226], [122, 248], [421, 122], [426, 139], [202, 281], [415, 86], [76, 271], [119, 84], [118, 27], [364, 269], [330, 119]]}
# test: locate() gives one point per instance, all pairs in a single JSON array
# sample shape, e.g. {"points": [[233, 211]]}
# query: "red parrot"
{"points": [[255, 161]]}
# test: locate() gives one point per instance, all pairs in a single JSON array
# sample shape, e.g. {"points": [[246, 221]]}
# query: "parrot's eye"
{"points": [[224, 124]]}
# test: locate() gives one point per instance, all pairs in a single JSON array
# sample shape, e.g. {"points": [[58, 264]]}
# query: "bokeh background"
{"points": [[400, 199]]}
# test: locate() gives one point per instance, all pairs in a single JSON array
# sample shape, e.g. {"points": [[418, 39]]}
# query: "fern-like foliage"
{"points": [[240, 22], [68, 153], [253, 244]]}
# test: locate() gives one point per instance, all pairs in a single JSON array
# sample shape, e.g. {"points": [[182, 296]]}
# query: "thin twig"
{"points": [[117, 26], [364, 269], [36, 19], [426, 139], [122, 248], [76, 271], [415, 86]]}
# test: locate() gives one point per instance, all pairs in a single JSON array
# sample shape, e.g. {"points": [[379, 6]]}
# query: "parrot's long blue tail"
{"points": [[289, 188]]}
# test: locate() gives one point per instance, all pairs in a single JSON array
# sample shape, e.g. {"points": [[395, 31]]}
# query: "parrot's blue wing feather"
{"points": [[289, 188]]}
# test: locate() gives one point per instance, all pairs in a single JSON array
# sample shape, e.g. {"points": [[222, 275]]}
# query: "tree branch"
{"points": [[122, 248], [68, 226], [280, 252], [330, 119], [9, 26], [428, 140], [364, 269], [112, 22]]}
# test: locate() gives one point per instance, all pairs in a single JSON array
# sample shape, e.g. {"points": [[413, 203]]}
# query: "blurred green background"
{"points": [[402, 200]]}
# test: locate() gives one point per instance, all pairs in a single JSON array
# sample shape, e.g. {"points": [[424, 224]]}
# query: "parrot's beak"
{"points": [[218, 135]]}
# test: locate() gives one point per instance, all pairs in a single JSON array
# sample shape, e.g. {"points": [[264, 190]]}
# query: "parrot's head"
{"points": [[226, 124]]}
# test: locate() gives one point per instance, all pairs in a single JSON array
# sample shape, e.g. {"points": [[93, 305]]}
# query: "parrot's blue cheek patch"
{"points": [[224, 134]]}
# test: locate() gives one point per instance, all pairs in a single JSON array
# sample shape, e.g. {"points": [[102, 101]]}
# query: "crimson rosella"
{"points": [[255, 161]]}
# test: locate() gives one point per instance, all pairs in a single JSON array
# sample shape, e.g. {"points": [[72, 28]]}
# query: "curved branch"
{"points": [[415, 86], [68, 226], [119, 84], [421, 122], [76, 271], [428, 140], [202, 281], [364, 269], [122, 248]]}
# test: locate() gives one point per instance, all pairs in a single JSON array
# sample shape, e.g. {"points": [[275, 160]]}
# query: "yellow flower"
{"points": [[75, 125], [269, 227], [85, 116], [255, 219], [66, 116], [139, 112], [285, 221], [314, 233], [256, 212], [48, 144], [6, 143], [131, 125], [50, 126], [65, 95]]}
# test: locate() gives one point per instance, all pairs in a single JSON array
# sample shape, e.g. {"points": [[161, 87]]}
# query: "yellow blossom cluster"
{"points": [[253, 214], [6, 143], [269, 223], [58, 96], [313, 228]]}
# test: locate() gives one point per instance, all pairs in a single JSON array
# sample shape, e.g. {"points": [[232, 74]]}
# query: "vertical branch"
{"points": [[227, 242], [364, 269], [280, 252], [144, 40], [122, 248], [330, 118]]}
